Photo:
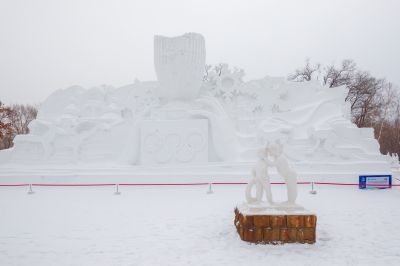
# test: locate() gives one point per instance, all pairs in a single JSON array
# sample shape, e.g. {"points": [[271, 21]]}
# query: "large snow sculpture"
{"points": [[179, 63], [231, 117]]}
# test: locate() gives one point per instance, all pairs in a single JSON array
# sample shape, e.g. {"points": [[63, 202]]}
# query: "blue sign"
{"points": [[375, 181]]}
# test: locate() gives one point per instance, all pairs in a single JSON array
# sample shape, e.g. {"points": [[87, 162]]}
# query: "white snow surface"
{"points": [[186, 226]]}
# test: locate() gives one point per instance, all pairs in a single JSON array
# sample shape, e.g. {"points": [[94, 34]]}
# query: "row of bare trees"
{"points": [[14, 120], [374, 102]]}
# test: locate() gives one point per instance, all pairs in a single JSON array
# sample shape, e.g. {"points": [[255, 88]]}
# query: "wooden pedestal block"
{"points": [[268, 228]]}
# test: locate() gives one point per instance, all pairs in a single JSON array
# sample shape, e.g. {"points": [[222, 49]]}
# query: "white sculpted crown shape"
{"points": [[179, 63]]}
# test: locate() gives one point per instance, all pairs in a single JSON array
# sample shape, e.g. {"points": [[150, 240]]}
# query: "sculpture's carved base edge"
{"points": [[276, 228]]}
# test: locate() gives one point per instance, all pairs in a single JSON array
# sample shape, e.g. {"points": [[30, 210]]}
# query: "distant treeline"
{"points": [[374, 102]]}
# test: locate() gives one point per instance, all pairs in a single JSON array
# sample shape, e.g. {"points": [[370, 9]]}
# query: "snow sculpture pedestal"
{"points": [[275, 225]]}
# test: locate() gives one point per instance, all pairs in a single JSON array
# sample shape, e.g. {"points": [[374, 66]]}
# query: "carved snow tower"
{"points": [[179, 63]]}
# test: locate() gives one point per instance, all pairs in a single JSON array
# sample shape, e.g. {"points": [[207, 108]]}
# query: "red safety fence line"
{"points": [[336, 184], [300, 183], [228, 183], [181, 184], [245, 183], [164, 184], [72, 185], [354, 184], [304, 183], [14, 185]]}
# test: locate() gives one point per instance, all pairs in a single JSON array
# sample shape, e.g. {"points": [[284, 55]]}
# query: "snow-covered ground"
{"points": [[186, 226]]}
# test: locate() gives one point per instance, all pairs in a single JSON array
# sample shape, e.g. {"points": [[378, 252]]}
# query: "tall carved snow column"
{"points": [[176, 131], [179, 63]]}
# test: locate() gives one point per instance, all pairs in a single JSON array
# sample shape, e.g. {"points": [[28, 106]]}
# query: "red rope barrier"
{"points": [[337, 184], [179, 184], [14, 185], [72, 185], [56, 185], [229, 183], [164, 184]]}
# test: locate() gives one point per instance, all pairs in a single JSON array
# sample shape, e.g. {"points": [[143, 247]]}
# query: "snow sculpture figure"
{"points": [[179, 63], [260, 180], [275, 150]]}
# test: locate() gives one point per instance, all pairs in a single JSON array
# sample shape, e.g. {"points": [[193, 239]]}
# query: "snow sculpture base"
{"points": [[275, 225], [264, 206]]}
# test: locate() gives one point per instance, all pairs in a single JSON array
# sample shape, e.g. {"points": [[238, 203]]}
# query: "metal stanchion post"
{"points": [[313, 192], [210, 191], [117, 192], [30, 190]]}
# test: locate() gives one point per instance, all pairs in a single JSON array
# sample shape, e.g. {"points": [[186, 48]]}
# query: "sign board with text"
{"points": [[375, 181]]}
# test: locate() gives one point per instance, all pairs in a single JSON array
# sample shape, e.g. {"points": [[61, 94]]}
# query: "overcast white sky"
{"points": [[49, 44]]}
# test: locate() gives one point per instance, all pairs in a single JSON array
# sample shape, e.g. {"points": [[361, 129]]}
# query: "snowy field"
{"points": [[186, 226]]}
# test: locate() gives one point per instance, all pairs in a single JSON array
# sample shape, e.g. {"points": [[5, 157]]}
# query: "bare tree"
{"points": [[335, 77], [13, 121], [6, 129], [365, 99], [22, 116], [306, 73], [388, 102]]}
